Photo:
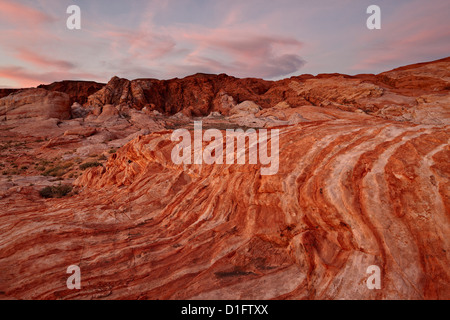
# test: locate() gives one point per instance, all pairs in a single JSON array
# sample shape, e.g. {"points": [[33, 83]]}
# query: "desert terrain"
{"points": [[87, 179]]}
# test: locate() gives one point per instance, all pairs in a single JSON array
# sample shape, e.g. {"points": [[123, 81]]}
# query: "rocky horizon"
{"points": [[79, 90]]}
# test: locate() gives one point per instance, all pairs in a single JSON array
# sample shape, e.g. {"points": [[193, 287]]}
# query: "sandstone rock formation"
{"points": [[246, 107], [390, 95], [363, 180], [77, 111], [7, 92], [198, 94], [349, 194], [78, 91]]}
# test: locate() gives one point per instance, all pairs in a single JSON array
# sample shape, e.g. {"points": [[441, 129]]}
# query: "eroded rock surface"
{"points": [[78, 91], [35, 103], [363, 180], [349, 194]]}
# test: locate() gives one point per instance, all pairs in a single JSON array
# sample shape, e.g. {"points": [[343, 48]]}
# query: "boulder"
{"points": [[246, 107], [35, 103], [78, 111]]}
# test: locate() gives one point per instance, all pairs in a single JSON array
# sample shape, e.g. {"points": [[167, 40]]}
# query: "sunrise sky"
{"points": [[252, 38]]}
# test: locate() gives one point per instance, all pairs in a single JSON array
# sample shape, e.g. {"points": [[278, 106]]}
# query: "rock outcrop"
{"points": [[245, 108], [78, 91], [349, 194], [390, 95], [363, 181]]}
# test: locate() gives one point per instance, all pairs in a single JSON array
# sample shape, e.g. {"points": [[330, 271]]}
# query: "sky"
{"points": [[165, 39]]}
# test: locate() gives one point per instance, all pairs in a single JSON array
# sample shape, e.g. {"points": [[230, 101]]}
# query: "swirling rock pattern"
{"points": [[363, 181], [349, 194]]}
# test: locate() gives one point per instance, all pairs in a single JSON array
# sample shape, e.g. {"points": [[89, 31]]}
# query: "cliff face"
{"points": [[78, 91], [196, 95], [363, 180], [390, 95]]}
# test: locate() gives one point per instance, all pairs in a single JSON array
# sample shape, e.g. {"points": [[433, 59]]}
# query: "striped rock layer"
{"points": [[349, 194]]}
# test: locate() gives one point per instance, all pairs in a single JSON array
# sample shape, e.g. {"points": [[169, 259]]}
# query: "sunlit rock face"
{"points": [[35, 103], [363, 181], [78, 91]]}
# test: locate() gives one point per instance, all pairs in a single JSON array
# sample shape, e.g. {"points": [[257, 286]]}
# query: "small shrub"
{"points": [[112, 151], [56, 191], [55, 172], [87, 165], [59, 170]]}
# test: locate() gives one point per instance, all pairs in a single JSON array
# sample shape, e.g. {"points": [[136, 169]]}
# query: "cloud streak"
{"points": [[43, 61], [255, 38], [245, 54], [31, 79]]}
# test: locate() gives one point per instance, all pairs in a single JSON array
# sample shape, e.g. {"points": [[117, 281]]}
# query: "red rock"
{"points": [[84, 132], [201, 94], [349, 194], [420, 78], [64, 140], [7, 92], [246, 107], [78, 91], [35, 103]]}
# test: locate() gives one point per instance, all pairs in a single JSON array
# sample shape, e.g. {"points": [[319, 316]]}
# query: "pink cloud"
{"points": [[413, 47], [244, 53], [20, 14], [182, 50], [141, 43]]}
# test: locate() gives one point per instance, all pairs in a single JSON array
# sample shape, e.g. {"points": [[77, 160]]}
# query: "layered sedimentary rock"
{"points": [[197, 95], [363, 181], [419, 78], [349, 194], [35, 103]]}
